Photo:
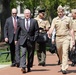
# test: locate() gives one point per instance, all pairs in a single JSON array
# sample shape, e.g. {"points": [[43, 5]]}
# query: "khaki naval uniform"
{"points": [[41, 47], [62, 26], [73, 11], [74, 28]]}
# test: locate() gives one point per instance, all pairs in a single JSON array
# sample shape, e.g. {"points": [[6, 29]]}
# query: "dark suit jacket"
{"points": [[9, 29], [24, 35]]}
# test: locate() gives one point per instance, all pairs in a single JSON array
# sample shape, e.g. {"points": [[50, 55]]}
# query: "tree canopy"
{"points": [[49, 5]]}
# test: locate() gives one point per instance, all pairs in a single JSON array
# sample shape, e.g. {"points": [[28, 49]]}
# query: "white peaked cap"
{"points": [[60, 8], [73, 10]]}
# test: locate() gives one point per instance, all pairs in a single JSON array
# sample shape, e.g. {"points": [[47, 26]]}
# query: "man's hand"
{"points": [[53, 41], [16, 42], [49, 35], [73, 43], [6, 39]]}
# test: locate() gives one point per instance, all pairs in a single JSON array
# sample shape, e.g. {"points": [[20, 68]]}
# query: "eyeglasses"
{"points": [[14, 13]]}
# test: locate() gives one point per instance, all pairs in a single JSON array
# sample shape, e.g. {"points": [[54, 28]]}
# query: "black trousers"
{"points": [[12, 51]]}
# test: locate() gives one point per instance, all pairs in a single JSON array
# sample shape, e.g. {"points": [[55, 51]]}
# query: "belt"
{"points": [[60, 35]]}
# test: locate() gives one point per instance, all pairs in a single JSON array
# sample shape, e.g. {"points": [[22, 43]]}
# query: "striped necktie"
{"points": [[27, 27], [15, 25]]}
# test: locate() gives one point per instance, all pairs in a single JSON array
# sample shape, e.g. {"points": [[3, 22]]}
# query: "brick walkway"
{"points": [[51, 68]]}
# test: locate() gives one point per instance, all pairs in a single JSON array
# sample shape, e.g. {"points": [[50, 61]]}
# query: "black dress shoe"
{"points": [[28, 70], [13, 65], [17, 65], [43, 64], [23, 70], [40, 64], [59, 62], [73, 64], [31, 65], [64, 71]]}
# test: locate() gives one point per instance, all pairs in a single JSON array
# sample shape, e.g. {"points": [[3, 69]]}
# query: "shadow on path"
{"points": [[40, 70], [71, 71]]}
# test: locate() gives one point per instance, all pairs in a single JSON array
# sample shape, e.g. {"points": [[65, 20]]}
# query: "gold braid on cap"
{"points": [[60, 8]]}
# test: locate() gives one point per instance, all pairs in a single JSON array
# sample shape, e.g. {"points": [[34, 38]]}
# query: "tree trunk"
{"points": [[4, 15]]}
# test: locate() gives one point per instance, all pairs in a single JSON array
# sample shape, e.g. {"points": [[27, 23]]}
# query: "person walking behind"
{"points": [[28, 30], [63, 27], [73, 11], [41, 47], [9, 34]]}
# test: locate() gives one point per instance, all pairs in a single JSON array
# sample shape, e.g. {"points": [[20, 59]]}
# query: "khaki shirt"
{"points": [[62, 25], [74, 25], [43, 23]]}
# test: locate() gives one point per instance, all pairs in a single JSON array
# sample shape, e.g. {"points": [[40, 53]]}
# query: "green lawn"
{"points": [[3, 59]]}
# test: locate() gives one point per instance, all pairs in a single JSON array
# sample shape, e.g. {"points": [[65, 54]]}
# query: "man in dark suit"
{"points": [[28, 29], [9, 33]]}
